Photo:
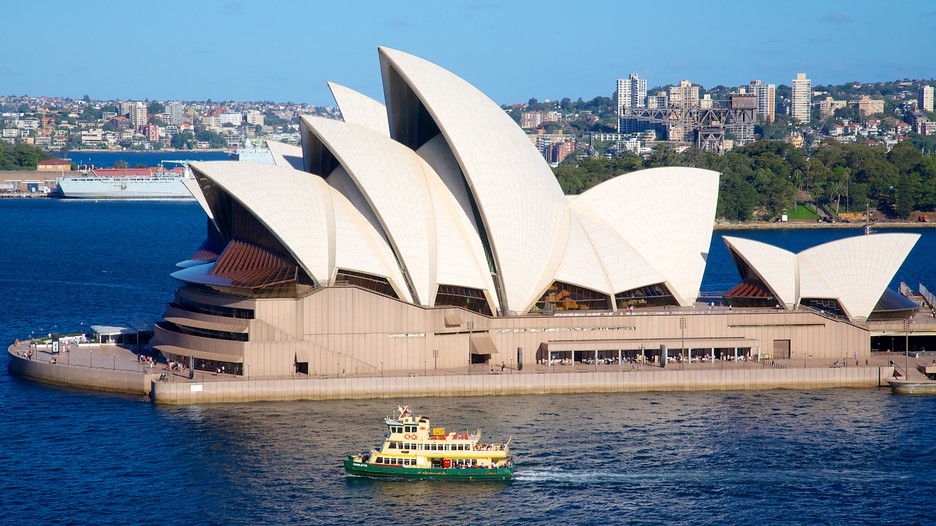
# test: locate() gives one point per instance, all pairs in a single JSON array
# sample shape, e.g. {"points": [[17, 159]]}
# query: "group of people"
{"points": [[146, 360], [174, 366]]}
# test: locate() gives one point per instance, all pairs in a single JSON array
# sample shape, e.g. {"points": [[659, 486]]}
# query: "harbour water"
{"points": [[72, 457], [107, 159]]}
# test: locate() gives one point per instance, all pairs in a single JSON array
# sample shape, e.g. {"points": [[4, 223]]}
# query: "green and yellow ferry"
{"points": [[412, 448]]}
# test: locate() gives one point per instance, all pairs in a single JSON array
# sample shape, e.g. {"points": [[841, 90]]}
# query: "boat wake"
{"points": [[106, 285], [577, 477]]}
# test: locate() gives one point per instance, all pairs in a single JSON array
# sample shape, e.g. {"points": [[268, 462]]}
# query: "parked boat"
{"points": [[412, 448], [115, 183]]}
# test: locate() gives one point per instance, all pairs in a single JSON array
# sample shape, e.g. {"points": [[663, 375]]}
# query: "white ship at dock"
{"points": [[128, 184]]}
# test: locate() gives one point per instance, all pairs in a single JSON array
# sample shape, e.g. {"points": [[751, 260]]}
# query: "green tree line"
{"points": [[767, 178], [21, 156]]}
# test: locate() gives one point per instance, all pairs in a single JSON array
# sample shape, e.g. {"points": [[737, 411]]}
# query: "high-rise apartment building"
{"points": [[138, 114], [685, 95], [766, 99], [802, 98], [176, 111], [926, 98], [631, 93]]}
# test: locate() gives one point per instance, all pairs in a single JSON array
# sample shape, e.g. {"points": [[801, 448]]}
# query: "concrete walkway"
{"points": [[97, 363]]}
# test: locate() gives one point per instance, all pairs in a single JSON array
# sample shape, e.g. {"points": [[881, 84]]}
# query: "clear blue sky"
{"points": [[286, 50]]}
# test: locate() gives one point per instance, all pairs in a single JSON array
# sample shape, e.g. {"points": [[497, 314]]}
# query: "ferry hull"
{"points": [[369, 470]]}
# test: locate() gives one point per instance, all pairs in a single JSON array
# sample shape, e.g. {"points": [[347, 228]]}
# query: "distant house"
{"points": [[120, 122], [54, 165], [903, 128]]}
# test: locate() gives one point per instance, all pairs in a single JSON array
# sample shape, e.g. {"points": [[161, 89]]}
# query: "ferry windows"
{"points": [[392, 445], [379, 460]]}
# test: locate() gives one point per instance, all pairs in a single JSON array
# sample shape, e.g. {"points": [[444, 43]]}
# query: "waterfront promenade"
{"points": [[118, 369]]}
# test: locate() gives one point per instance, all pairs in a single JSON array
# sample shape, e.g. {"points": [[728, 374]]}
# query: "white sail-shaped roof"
{"points": [[286, 202], [192, 186], [581, 265], [855, 271], [776, 267], [359, 247], [666, 216], [527, 229], [284, 154], [431, 234], [391, 179], [315, 223], [625, 268], [360, 109], [443, 162], [858, 269]]}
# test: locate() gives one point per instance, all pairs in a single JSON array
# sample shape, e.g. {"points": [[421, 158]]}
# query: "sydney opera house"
{"points": [[429, 233]]}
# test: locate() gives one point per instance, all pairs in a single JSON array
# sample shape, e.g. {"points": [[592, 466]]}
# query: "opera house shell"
{"points": [[431, 234]]}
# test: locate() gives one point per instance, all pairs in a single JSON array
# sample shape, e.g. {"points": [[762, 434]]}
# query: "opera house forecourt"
{"points": [[429, 234]]}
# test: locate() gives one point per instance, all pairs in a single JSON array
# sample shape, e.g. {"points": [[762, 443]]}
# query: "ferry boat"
{"points": [[412, 448]]}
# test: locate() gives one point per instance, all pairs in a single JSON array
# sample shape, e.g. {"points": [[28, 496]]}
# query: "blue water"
{"points": [[108, 159], [70, 457]]}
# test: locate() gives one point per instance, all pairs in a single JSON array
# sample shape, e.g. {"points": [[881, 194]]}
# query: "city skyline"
{"points": [[252, 51]]}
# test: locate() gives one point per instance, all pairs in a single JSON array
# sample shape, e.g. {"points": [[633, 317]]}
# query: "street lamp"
{"points": [[470, 326], [682, 329], [907, 347]]}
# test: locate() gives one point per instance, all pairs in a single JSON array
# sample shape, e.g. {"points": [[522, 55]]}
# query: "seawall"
{"points": [[182, 391], [193, 392], [91, 378]]}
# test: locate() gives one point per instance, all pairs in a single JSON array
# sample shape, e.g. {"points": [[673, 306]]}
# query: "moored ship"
{"points": [[127, 184], [412, 448]]}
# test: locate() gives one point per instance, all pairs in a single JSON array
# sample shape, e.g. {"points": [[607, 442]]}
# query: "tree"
{"points": [[26, 157], [212, 138], [905, 157], [121, 164], [155, 108], [736, 198], [183, 141]]}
